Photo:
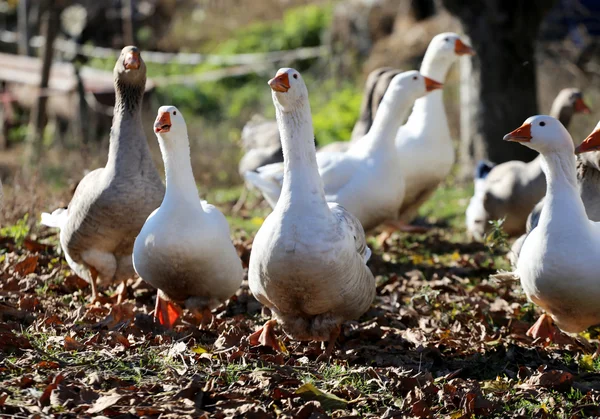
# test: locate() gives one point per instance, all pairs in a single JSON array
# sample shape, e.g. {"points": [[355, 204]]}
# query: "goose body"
{"points": [[184, 248], [348, 178], [560, 258], [427, 129], [512, 189], [308, 261], [110, 204]]}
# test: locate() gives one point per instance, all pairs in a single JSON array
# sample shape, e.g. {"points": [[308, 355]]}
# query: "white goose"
{"points": [[184, 248], [560, 258], [511, 189], [349, 177], [308, 261], [427, 129]]}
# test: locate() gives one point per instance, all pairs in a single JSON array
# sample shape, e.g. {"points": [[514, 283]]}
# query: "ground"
{"points": [[441, 339]]}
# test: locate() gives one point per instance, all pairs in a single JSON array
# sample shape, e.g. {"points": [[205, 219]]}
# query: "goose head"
{"points": [[591, 143], [170, 126], [543, 134], [130, 67], [412, 85], [448, 46], [288, 89], [568, 102]]}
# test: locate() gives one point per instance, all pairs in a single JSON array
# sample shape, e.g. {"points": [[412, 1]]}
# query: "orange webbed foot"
{"points": [[166, 311], [544, 328], [265, 336]]}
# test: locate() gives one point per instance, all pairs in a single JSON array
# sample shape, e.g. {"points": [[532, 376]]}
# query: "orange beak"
{"points": [[580, 106], [280, 83], [132, 60], [520, 135], [591, 143], [431, 84], [460, 48], [163, 122]]}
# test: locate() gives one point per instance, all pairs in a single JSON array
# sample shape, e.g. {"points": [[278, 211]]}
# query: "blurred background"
{"points": [[212, 59]]}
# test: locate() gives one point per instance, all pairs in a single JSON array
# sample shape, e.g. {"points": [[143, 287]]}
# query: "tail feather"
{"points": [[56, 219], [266, 183]]}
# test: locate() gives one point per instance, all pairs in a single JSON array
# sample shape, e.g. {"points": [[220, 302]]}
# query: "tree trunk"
{"points": [[127, 16], [23, 25], [501, 89], [422, 9], [51, 24]]}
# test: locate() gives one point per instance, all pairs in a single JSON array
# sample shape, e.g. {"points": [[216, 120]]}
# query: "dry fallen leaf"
{"points": [[104, 402], [27, 266]]}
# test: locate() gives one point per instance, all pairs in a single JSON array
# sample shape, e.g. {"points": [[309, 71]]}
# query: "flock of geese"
{"points": [[308, 263]]}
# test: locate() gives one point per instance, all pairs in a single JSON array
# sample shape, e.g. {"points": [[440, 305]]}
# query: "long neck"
{"points": [[434, 101], [392, 112], [128, 143], [562, 110], [302, 184], [562, 194], [181, 185]]}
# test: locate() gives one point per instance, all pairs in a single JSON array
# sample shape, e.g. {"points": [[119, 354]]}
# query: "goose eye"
{"points": [[415, 77], [295, 76], [174, 112], [542, 124], [446, 39]]}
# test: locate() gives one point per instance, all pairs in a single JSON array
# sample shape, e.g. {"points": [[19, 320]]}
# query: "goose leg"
{"points": [[166, 311], [93, 283], [122, 292], [265, 336], [326, 355]]}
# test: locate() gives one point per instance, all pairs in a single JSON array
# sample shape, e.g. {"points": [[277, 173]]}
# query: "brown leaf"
{"points": [[420, 409], [28, 302], [25, 381], [9, 341], [35, 247], [72, 345], [3, 398], [45, 397], [554, 379], [119, 313], [27, 266], [50, 365], [74, 283], [104, 402]]}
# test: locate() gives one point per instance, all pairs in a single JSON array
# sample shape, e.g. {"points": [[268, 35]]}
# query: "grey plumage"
{"points": [[111, 204]]}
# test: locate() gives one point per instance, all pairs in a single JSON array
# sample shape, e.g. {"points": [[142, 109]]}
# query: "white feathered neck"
{"points": [[391, 114], [302, 187], [562, 203], [435, 66], [181, 185]]}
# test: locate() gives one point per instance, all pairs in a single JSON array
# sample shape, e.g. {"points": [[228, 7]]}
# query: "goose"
{"points": [[560, 258], [376, 85], [260, 141], [427, 129], [309, 258], [111, 204], [588, 179], [349, 177], [260, 137], [510, 190], [184, 249]]}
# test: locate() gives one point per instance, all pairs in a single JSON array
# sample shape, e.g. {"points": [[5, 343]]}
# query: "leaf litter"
{"points": [[440, 340]]}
